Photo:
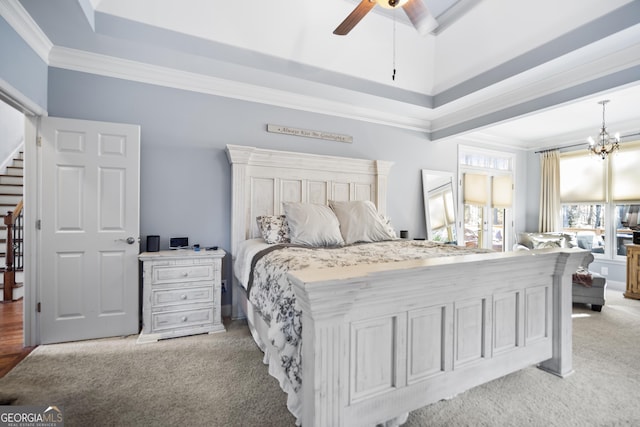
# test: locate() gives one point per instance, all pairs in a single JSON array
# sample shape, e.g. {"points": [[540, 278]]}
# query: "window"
{"points": [[626, 221], [487, 198], [587, 222], [601, 199]]}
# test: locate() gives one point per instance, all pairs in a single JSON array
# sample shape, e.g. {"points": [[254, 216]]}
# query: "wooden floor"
{"points": [[11, 344]]}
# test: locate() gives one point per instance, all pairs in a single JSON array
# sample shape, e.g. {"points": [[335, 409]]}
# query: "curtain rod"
{"points": [[577, 145], [558, 148]]}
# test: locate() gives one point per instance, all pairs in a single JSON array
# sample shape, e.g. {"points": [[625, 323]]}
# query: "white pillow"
{"points": [[312, 225], [387, 225], [360, 222]]}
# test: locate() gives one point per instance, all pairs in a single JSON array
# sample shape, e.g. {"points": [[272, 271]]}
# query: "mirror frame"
{"points": [[440, 178]]}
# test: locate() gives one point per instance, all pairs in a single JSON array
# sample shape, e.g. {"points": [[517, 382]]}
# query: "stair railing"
{"points": [[14, 250]]}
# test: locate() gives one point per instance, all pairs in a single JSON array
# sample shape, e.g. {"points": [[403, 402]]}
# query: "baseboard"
{"points": [[616, 286]]}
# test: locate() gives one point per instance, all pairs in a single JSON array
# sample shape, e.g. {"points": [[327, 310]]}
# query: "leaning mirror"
{"points": [[439, 205]]}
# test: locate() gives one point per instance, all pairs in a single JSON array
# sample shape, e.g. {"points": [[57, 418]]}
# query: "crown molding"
{"points": [[109, 66], [608, 64], [559, 141], [511, 97], [610, 61], [23, 24], [486, 140]]}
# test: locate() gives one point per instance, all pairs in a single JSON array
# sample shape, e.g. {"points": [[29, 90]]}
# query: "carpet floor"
{"points": [[219, 380]]}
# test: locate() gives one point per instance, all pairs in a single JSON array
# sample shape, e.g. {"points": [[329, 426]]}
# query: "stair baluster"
{"points": [[13, 223]]}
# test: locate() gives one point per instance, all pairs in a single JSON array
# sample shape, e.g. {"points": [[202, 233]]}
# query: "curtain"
{"points": [[549, 218]]}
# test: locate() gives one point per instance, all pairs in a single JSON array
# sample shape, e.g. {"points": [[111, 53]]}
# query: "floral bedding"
{"points": [[272, 295]]}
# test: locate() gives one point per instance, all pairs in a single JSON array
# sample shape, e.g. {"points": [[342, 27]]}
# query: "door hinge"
{"points": [[39, 307], [38, 224], [39, 141]]}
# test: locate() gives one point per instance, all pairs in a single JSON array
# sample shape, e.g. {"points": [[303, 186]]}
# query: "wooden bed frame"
{"points": [[385, 339]]}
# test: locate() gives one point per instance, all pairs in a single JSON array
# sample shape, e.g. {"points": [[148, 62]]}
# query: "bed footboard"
{"points": [[383, 340]]}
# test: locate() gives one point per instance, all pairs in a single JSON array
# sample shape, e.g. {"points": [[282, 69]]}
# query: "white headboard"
{"points": [[262, 179]]}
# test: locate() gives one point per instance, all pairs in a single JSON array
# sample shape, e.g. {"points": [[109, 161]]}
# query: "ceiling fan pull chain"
{"points": [[393, 76]]}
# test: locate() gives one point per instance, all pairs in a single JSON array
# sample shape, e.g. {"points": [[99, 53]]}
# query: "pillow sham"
{"points": [[387, 225], [312, 224], [273, 228], [542, 243], [360, 222]]}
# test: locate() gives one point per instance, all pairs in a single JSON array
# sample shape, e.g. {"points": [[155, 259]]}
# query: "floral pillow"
{"points": [[274, 228]]}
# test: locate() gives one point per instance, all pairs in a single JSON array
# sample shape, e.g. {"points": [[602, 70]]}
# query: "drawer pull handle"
{"points": [[184, 318], [185, 274], [183, 297]]}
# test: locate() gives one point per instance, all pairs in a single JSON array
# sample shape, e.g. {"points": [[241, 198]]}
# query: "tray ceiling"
{"points": [[526, 75]]}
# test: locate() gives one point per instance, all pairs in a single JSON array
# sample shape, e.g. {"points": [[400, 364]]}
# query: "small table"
{"points": [[181, 293]]}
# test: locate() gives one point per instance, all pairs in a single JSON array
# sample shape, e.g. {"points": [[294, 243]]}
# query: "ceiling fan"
{"points": [[415, 9]]}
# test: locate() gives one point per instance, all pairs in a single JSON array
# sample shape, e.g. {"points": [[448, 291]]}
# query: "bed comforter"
{"points": [[272, 295]]}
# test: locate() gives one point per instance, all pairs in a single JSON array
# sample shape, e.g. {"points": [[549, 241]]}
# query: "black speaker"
{"points": [[636, 237], [153, 243]]}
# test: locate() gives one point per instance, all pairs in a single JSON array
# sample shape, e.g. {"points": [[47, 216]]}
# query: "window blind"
{"points": [[475, 189], [625, 173], [502, 192], [582, 178]]}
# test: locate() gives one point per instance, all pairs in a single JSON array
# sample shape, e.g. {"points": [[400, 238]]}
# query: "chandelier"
{"points": [[604, 144]]}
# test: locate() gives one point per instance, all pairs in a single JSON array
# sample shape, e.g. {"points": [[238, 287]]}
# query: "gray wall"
{"points": [[532, 191], [185, 175], [20, 67], [11, 130]]}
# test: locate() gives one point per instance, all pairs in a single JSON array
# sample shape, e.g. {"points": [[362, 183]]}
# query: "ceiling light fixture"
{"points": [[605, 144], [391, 4]]}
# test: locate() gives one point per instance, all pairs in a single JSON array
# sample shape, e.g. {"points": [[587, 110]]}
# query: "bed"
{"points": [[381, 339]]}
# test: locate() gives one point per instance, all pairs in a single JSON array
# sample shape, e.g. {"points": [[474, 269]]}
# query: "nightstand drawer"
{"points": [[182, 319], [186, 273], [167, 297]]}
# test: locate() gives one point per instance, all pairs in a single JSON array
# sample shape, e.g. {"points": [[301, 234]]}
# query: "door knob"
{"points": [[130, 240]]}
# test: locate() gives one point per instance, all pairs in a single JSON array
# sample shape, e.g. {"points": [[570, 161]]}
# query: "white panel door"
{"points": [[88, 242]]}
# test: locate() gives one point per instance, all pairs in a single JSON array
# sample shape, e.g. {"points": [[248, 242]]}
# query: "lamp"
{"points": [[391, 4], [605, 144]]}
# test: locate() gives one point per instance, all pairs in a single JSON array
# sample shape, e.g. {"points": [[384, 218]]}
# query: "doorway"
{"points": [[12, 130], [486, 184], [110, 152]]}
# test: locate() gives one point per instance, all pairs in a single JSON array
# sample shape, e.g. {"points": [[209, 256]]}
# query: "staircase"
{"points": [[11, 193]]}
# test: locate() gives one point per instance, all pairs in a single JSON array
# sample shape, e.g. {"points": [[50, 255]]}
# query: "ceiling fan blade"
{"points": [[354, 17], [420, 17]]}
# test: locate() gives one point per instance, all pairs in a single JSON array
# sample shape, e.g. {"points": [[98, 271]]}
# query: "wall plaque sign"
{"points": [[309, 133]]}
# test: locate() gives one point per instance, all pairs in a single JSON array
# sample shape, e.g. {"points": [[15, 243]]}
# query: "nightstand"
{"points": [[181, 293]]}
